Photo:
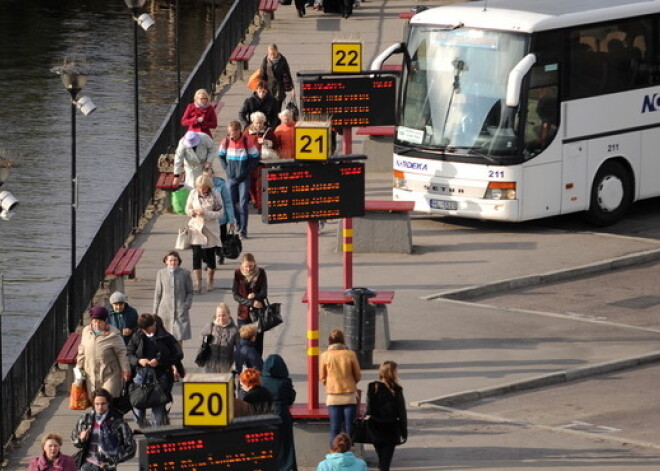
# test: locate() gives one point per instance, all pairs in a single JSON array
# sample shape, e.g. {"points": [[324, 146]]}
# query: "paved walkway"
{"points": [[442, 347]]}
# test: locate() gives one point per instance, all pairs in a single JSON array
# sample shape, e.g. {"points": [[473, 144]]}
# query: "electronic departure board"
{"points": [[313, 191], [365, 100], [239, 448]]}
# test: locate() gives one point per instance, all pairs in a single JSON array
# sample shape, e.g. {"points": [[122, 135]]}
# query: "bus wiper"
{"points": [[472, 151], [404, 150]]}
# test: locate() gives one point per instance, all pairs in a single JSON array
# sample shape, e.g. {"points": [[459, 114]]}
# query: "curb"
{"points": [[497, 287], [537, 382]]}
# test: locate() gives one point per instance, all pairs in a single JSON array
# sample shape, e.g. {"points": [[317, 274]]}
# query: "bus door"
{"points": [[574, 186]]}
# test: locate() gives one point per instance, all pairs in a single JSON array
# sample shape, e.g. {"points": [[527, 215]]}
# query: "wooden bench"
{"points": [[165, 182], [268, 7], [69, 354], [406, 15], [242, 53], [123, 265], [375, 131], [332, 314]]}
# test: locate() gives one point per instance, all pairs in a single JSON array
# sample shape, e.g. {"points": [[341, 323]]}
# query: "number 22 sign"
{"points": [[346, 57]]}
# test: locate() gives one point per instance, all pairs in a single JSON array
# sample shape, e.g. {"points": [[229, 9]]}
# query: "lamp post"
{"points": [[74, 75], [145, 22]]}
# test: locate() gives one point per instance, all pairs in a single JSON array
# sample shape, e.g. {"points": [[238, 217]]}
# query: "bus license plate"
{"points": [[446, 205]]}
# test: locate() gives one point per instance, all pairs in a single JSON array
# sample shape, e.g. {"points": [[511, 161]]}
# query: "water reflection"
{"points": [[35, 122]]}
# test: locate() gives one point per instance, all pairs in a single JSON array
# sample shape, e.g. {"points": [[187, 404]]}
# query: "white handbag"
{"points": [[183, 239]]}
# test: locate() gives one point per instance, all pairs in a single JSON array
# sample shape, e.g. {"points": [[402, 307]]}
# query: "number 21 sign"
{"points": [[312, 141]]}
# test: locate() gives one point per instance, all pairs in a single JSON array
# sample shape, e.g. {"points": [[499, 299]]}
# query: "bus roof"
{"points": [[534, 15]]}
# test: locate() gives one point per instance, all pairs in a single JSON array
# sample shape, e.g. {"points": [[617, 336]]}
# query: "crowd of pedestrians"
{"points": [[120, 347]]}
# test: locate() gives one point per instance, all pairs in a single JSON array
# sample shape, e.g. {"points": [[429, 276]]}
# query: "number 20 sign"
{"points": [[312, 142], [207, 404], [346, 57]]}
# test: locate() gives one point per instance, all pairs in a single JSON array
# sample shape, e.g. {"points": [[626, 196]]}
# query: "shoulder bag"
{"points": [[269, 317], [149, 394], [232, 245], [182, 239], [360, 432], [204, 352]]}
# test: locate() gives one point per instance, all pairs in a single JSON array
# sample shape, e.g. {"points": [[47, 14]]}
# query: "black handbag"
{"points": [[232, 245], [269, 316], [149, 394], [361, 432], [204, 352], [122, 403], [293, 107]]}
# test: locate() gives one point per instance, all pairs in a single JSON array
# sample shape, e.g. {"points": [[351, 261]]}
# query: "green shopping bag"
{"points": [[179, 198]]}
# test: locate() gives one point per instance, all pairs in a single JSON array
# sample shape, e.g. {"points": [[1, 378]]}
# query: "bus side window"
{"points": [[542, 119]]}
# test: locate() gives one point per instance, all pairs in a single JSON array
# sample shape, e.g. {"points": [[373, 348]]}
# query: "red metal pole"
{"points": [[347, 140], [312, 315], [347, 248]]}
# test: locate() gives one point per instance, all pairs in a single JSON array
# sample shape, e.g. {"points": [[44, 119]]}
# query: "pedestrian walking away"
{"points": [[205, 209], [275, 378], [192, 153], [258, 397], [341, 458], [199, 116], [223, 334], [51, 458], [247, 355], [103, 436], [250, 289], [238, 157], [386, 409], [122, 316], [173, 296], [102, 354], [340, 373]]}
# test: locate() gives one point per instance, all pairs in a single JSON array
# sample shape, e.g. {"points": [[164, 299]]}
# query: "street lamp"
{"points": [[145, 22], [74, 73]]}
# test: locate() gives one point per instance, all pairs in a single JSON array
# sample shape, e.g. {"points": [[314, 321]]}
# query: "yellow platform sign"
{"points": [[312, 141], [207, 404], [346, 57]]}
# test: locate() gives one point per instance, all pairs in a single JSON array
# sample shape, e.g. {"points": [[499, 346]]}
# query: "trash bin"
{"points": [[360, 325]]}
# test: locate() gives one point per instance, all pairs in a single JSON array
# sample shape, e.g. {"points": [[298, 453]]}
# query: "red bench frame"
{"points": [[242, 53], [69, 351], [124, 262], [375, 131], [165, 182], [388, 205], [337, 296], [406, 15], [269, 7]]}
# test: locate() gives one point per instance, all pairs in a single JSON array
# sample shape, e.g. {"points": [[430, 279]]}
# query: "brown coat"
{"points": [[103, 357]]}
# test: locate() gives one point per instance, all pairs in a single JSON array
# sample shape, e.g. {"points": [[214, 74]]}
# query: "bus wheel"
{"points": [[611, 195]]}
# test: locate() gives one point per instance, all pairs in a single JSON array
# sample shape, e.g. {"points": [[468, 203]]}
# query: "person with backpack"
{"points": [[237, 157]]}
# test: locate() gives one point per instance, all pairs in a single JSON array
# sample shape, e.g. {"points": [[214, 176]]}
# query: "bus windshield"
{"points": [[454, 92]]}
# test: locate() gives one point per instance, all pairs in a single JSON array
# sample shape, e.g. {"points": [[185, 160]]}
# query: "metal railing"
{"points": [[26, 376]]}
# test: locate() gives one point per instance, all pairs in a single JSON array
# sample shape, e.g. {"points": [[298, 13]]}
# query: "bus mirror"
{"points": [[516, 76], [377, 63]]}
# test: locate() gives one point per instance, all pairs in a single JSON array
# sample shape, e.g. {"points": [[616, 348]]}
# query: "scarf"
{"points": [[251, 277]]}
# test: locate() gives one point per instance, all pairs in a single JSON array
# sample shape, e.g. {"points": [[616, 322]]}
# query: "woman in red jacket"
{"points": [[52, 459], [200, 115]]}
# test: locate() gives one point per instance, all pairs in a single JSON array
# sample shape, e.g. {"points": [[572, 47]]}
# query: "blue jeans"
{"points": [[239, 192], [341, 420]]}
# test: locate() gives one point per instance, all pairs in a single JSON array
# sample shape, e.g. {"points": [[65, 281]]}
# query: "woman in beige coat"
{"points": [[204, 207], [340, 372], [102, 354]]}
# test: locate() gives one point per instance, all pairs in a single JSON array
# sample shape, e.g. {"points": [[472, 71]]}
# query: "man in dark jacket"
{"points": [[152, 351], [103, 436], [261, 100], [122, 316]]}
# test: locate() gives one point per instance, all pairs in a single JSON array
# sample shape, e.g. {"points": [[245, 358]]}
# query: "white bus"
{"points": [[514, 110]]}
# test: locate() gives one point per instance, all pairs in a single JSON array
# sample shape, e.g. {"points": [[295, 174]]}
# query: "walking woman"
{"points": [[224, 340], [52, 459], [340, 373], [386, 409], [173, 297], [199, 115], [250, 288], [204, 206]]}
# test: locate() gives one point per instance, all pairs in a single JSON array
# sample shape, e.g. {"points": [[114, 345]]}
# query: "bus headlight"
{"points": [[501, 191]]}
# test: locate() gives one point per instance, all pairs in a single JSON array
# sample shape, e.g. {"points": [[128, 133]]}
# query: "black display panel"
{"points": [[252, 448], [313, 192], [349, 100]]}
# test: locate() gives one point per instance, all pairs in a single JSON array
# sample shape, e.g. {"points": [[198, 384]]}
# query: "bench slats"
{"points": [[268, 5], [69, 352], [406, 15], [375, 131], [128, 262], [384, 205], [242, 53], [165, 180], [115, 261], [336, 296]]}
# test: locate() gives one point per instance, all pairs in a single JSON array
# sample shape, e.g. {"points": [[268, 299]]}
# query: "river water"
{"points": [[35, 124]]}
